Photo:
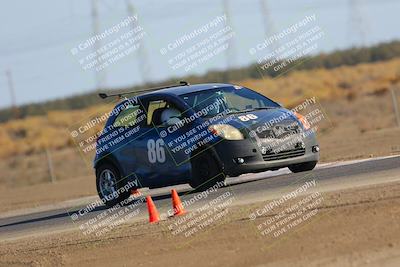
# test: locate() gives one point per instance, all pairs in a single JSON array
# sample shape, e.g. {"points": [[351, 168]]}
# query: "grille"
{"points": [[284, 154], [279, 131]]}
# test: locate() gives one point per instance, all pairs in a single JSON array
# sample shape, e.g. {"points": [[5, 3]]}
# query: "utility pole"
{"points": [[12, 94], [100, 75], [144, 64]]}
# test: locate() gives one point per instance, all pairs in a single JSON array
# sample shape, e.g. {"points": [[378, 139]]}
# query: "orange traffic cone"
{"points": [[153, 213], [177, 204], [136, 193]]}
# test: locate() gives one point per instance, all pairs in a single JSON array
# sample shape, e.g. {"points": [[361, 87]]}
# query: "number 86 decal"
{"points": [[156, 151], [248, 117]]}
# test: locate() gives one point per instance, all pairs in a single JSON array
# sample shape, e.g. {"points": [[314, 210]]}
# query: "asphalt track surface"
{"points": [[250, 188]]}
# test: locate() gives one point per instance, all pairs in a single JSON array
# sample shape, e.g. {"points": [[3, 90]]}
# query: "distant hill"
{"points": [[348, 57]]}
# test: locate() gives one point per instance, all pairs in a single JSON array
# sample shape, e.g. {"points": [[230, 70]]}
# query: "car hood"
{"points": [[253, 119]]}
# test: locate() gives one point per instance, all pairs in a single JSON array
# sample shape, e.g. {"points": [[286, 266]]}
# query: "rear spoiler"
{"points": [[120, 95]]}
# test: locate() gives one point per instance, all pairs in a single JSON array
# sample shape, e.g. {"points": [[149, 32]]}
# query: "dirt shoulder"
{"points": [[27, 197], [351, 228]]}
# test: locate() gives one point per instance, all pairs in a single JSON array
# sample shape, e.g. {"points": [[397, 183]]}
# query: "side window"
{"points": [[160, 112], [152, 113], [129, 117]]}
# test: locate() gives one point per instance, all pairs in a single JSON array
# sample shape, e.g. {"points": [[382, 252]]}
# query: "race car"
{"points": [[197, 134]]}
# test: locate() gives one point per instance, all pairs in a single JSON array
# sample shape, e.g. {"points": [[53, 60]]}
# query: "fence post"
{"points": [[50, 166], [395, 106]]}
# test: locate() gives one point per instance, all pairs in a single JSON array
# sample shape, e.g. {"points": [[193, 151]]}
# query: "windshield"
{"points": [[232, 99]]}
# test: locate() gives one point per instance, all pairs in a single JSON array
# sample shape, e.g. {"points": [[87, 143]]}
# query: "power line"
{"points": [[55, 43]]}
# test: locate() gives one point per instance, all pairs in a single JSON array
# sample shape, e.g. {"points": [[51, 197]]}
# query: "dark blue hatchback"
{"points": [[197, 134]]}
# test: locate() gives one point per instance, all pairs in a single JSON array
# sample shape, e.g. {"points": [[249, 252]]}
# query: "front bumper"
{"points": [[228, 153]]}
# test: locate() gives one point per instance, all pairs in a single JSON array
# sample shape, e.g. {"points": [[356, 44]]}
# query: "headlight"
{"points": [[303, 120], [226, 131]]}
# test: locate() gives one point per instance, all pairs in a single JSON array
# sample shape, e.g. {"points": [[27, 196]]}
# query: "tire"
{"points": [[303, 167], [206, 172], [116, 183]]}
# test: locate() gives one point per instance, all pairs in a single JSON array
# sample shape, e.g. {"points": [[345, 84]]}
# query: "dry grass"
{"points": [[346, 81]]}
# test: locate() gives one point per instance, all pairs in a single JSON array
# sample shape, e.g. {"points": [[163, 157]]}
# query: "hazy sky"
{"points": [[37, 37]]}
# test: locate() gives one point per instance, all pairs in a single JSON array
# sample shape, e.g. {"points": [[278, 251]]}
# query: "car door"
{"points": [[158, 166]]}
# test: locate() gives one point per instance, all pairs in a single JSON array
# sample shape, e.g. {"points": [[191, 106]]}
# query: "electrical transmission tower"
{"points": [[357, 29], [144, 64], [100, 75], [230, 51], [269, 27]]}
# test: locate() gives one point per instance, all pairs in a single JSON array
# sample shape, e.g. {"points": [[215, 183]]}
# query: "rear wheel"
{"points": [[206, 172], [302, 167], [110, 185]]}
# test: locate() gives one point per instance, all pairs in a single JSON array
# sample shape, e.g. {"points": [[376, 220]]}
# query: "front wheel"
{"points": [[110, 186], [303, 167], [206, 172]]}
